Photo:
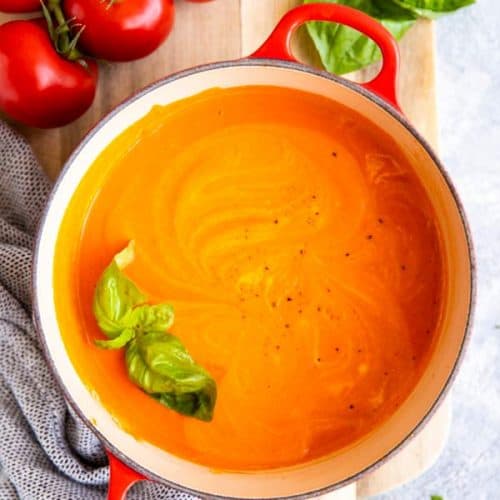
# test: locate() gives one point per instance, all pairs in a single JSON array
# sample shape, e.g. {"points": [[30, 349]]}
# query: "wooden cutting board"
{"points": [[229, 29]]}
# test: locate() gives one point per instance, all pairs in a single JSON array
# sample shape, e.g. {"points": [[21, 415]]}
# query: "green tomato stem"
{"points": [[60, 31]]}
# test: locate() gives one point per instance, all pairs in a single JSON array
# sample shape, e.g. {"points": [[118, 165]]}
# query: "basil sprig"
{"points": [[156, 361], [433, 9], [343, 49]]}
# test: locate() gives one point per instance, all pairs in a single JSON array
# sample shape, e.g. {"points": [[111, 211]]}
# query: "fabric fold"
{"points": [[46, 451]]}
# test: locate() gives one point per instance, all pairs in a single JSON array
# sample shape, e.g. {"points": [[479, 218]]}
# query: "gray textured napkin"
{"points": [[46, 452]]}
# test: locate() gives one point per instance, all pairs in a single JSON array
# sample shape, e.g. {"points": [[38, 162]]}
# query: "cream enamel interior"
{"points": [[325, 472]]}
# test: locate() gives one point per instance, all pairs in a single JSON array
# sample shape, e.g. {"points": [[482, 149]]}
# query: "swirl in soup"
{"points": [[299, 251]]}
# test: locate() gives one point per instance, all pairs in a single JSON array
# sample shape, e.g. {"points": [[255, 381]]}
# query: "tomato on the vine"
{"points": [[121, 30], [17, 6], [38, 87]]}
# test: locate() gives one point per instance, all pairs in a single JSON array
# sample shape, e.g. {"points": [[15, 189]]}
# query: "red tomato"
{"points": [[124, 30], [20, 5], [37, 86]]}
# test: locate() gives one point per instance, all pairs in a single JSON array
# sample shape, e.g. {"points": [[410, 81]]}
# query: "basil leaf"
{"points": [[118, 342], [436, 497], [160, 365], [115, 296], [159, 317], [433, 9], [343, 49], [156, 360]]}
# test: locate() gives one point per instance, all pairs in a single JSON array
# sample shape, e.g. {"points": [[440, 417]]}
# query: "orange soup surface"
{"points": [[301, 255]]}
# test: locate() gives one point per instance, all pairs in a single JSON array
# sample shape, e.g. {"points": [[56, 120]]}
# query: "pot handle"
{"points": [[277, 46], [121, 478]]}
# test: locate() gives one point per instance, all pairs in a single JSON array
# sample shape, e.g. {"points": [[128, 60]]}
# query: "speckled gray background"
{"points": [[468, 45]]}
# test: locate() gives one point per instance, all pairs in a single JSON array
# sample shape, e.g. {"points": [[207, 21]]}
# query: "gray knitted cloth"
{"points": [[46, 452]]}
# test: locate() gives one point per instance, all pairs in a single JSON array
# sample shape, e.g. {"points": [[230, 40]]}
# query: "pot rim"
{"points": [[388, 108]]}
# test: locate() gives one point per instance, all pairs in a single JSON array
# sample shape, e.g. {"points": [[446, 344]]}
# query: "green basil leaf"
{"points": [[115, 296], [199, 405], [433, 9], [436, 497], [343, 49], [157, 318], [118, 342], [156, 360], [160, 365]]}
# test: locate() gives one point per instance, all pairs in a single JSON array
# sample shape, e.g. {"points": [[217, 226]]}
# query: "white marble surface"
{"points": [[469, 114]]}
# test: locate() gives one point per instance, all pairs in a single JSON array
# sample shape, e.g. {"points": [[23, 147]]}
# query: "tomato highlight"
{"points": [[39, 87], [121, 30]]}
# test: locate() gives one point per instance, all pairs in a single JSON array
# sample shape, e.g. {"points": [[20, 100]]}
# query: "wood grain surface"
{"points": [[228, 29]]}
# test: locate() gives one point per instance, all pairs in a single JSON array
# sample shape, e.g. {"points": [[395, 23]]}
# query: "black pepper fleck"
{"points": [[347, 254], [403, 267], [337, 349], [380, 221], [334, 154], [351, 407], [369, 237], [287, 325], [276, 221]]}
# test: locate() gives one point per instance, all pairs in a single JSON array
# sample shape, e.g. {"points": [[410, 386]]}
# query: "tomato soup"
{"points": [[299, 251]]}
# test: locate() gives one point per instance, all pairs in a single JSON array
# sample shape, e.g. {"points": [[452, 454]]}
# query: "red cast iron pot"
{"points": [[272, 64]]}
